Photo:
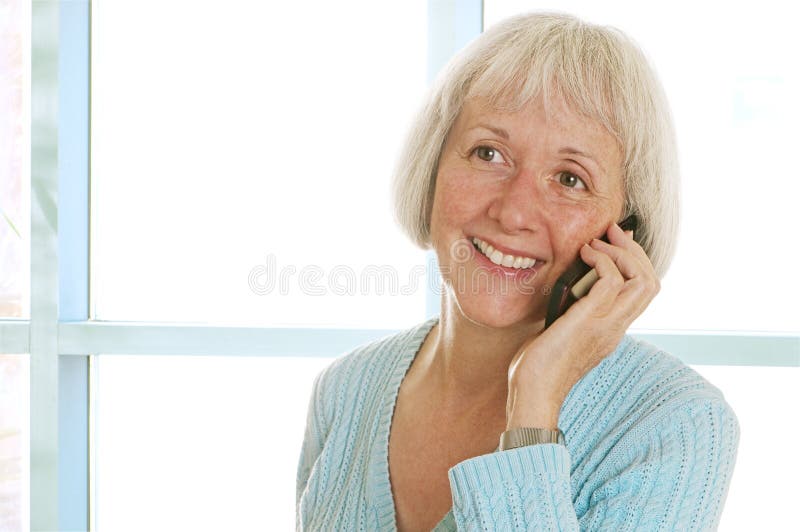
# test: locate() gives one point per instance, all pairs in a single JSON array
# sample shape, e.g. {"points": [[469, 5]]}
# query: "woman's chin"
{"points": [[500, 314]]}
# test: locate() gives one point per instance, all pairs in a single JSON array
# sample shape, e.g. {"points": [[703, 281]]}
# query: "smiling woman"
{"points": [[521, 185], [537, 140]]}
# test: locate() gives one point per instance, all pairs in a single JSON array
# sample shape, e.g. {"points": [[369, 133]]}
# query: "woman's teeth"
{"points": [[499, 258]]}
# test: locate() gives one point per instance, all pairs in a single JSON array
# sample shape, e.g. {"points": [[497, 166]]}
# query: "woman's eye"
{"points": [[571, 180], [488, 154]]}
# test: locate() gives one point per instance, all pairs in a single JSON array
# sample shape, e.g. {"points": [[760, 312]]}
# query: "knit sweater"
{"points": [[650, 445]]}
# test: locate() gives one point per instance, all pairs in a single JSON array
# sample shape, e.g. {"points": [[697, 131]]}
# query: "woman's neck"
{"points": [[467, 360]]}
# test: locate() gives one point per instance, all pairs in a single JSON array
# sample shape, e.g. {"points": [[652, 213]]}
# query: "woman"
{"points": [[536, 140]]}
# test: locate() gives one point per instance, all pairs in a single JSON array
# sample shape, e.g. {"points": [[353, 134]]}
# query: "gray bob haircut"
{"points": [[598, 72]]}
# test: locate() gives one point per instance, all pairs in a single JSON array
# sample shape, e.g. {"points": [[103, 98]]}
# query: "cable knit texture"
{"points": [[650, 445]]}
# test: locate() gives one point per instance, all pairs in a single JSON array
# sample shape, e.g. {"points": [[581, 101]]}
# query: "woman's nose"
{"points": [[520, 204]]}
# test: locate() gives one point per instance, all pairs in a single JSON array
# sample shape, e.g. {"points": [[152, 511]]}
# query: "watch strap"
{"points": [[522, 436]]}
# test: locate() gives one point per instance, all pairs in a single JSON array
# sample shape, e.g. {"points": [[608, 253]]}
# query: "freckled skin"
{"points": [[521, 199]]}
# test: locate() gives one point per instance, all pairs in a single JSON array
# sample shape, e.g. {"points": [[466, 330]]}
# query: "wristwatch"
{"points": [[522, 436]]}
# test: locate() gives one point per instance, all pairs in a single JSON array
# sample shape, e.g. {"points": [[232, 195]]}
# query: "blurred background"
{"points": [[221, 190]]}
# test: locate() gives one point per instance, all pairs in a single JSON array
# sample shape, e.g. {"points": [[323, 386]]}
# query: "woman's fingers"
{"points": [[624, 239], [626, 284], [627, 262], [641, 280], [605, 291]]}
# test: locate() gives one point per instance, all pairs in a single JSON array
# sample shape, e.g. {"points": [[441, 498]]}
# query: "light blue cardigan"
{"points": [[650, 445]]}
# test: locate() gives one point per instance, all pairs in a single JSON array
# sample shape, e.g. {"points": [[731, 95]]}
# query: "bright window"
{"points": [[14, 436], [241, 162], [204, 443], [15, 186], [15, 160]]}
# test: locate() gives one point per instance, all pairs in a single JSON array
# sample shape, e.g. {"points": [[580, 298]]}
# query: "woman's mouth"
{"points": [[503, 259]]}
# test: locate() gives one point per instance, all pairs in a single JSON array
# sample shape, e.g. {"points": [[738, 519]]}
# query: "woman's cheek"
{"points": [[460, 200], [572, 229]]}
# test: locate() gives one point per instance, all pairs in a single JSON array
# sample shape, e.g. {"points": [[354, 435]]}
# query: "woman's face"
{"points": [[530, 185]]}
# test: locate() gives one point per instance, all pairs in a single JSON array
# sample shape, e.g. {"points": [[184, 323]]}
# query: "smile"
{"points": [[501, 259]]}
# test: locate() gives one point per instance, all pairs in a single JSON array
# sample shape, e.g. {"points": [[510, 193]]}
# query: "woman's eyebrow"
{"points": [[574, 151], [500, 132]]}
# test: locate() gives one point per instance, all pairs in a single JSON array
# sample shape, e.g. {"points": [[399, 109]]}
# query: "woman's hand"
{"points": [[547, 367]]}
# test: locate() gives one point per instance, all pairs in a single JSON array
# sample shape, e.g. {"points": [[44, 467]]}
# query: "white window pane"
{"points": [[14, 437], [730, 74], [763, 489], [203, 443], [15, 211], [254, 138]]}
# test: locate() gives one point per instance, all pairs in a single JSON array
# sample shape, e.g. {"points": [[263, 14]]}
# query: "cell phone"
{"points": [[577, 280]]}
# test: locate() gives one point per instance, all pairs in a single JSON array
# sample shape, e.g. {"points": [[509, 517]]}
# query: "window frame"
{"points": [[62, 340]]}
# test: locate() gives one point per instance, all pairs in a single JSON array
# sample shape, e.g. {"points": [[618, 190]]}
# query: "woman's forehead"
{"points": [[530, 117]]}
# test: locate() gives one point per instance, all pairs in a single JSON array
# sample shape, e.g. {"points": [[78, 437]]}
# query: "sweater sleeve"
{"points": [[673, 475], [313, 441]]}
